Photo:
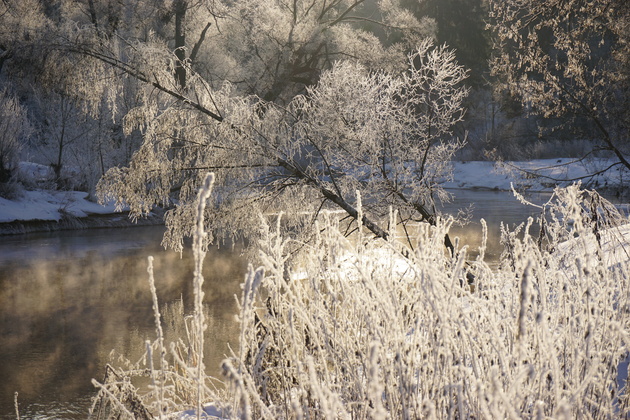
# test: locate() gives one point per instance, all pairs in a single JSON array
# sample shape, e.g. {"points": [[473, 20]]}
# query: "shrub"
{"points": [[373, 330], [358, 328]]}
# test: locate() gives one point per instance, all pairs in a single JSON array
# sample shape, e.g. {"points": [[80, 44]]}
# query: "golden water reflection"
{"points": [[61, 317]]}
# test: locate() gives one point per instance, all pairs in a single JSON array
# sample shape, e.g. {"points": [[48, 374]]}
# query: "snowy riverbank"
{"points": [[538, 175], [53, 210], [45, 211]]}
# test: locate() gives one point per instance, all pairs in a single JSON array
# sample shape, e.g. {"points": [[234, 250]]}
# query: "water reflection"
{"points": [[494, 207], [497, 207], [62, 312]]}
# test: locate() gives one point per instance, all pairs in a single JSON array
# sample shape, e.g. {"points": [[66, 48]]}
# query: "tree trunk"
{"points": [[180, 42], [93, 17]]}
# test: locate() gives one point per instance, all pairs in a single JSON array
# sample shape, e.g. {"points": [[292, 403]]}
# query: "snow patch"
{"points": [[209, 412], [536, 175], [50, 205]]}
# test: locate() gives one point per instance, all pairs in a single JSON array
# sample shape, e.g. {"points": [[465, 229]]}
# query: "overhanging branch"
{"points": [[145, 79]]}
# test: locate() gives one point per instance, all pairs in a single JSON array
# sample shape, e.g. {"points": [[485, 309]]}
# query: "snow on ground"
{"points": [[49, 205], [614, 243], [45, 204], [536, 175], [209, 412], [539, 175]]}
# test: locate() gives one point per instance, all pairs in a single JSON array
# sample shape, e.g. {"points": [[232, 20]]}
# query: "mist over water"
{"points": [[68, 299]]}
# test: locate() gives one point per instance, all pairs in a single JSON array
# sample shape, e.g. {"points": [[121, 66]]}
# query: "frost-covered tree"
{"points": [[569, 60], [235, 86], [75, 105], [268, 48], [14, 127], [288, 102], [273, 49], [383, 134], [22, 26]]}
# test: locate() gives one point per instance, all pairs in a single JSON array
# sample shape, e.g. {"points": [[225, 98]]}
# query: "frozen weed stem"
{"points": [[370, 329], [373, 330], [178, 382]]}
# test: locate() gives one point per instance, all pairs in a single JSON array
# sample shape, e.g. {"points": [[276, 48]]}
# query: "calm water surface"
{"points": [[496, 207], [68, 299]]}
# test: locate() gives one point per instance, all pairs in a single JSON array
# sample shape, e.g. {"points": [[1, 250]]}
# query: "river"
{"points": [[67, 299]]}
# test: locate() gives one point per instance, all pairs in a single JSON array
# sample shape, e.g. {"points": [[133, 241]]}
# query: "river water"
{"points": [[67, 299]]}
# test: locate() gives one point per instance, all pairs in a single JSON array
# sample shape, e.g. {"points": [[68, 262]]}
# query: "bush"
{"points": [[358, 328], [11, 190], [376, 331]]}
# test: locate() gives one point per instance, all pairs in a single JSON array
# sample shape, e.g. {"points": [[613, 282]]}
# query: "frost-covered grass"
{"points": [[358, 328]]}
